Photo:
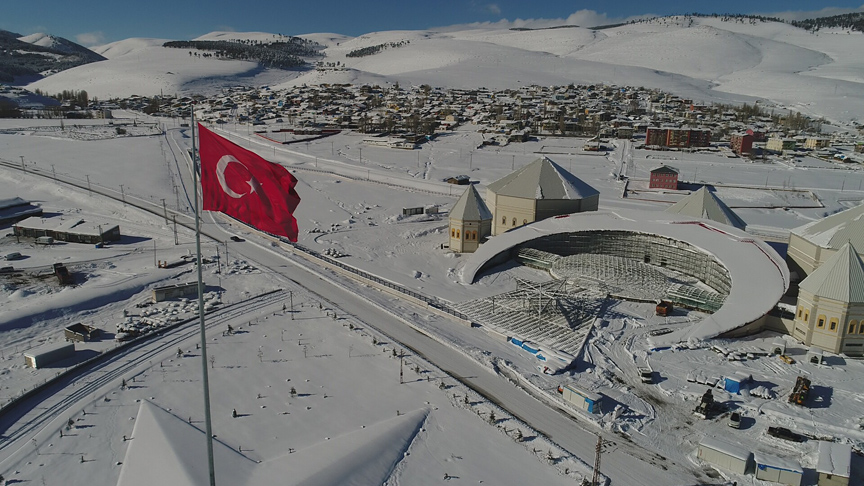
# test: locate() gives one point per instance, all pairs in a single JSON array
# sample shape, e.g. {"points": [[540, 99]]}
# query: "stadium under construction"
{"points": [[596, 258]]}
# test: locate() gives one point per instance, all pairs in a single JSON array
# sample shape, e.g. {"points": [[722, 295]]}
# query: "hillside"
{"points": [[725, 59], [37, 55]]}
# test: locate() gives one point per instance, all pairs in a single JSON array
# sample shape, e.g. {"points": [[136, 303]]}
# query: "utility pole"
{"points": [[226, 255], [218, 263], [155, 263], [122, 194], [89, 190], [401, 374], [291, 299], [361, 155], [598, 449], [53, 172], [165, 211], [176, 240], [512, 162], [22, 163]]}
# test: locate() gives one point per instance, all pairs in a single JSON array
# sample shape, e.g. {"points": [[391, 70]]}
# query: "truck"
{"points": [[664, 308]]}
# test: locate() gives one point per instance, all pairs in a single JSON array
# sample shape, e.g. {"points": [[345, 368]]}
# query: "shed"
{"points": [[41, 356], [777, 469], [814, 356], [728, 456], [81, 332], [834, 464], [733, 383], [584, 400], [778, 346]]}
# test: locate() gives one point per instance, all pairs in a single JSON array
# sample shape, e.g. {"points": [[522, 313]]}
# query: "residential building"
{"points": [[742, 143], [663, 177]]}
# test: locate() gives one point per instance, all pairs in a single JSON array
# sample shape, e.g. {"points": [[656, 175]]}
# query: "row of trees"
{"points": [[368, 51], [282, 55], [79, 98], [851, 21]]}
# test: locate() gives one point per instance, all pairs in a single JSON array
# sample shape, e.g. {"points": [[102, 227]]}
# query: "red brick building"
{"points": [[678, 137], [664, 177], [742, 143]]}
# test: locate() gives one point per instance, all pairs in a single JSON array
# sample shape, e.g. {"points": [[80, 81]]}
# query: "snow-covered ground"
{"points": [[347, 386]]}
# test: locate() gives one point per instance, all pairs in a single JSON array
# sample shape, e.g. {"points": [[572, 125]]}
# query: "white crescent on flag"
{"points": [[220, 174]]}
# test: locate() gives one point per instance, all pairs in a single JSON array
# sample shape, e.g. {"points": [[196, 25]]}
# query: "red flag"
{"points": [[243, 185]]}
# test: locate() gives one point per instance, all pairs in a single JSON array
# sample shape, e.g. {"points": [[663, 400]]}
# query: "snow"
{"points": [[700, 58], [726, 448], [351, 421]]}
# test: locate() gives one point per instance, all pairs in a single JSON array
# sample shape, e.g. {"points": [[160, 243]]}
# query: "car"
{"points": [[734, 420], [7, 269], [787, 359], [237, 238]]}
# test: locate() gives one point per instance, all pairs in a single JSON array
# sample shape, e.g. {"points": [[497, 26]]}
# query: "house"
{"points": [[470, 222], [812, 244], [584, 400], [663, 177], [539, 190], [834, 464], [725, 455], [42, 356]]}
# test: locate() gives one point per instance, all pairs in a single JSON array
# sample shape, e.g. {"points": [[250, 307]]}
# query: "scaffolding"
{"points": [[540, 312]]}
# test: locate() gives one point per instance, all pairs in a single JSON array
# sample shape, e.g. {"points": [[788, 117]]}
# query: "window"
{"points": [[514, 221], [861, 328], [833, 324], [473, 235], [807, 316], [821, 322], [503, 219], [800, 311], [852, 326], [457, 234], [452, 232], [524, 221]]}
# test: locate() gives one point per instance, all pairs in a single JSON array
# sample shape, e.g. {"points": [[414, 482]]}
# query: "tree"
{"points": [[492, 418], [293, 392]]}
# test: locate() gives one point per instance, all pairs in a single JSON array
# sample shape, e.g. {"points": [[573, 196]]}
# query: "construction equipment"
{"points": [[800, 392], [705, 405], [664, 308]]}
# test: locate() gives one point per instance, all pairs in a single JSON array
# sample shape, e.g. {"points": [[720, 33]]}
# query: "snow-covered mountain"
{"points": [[31, 57], [707, 58]]}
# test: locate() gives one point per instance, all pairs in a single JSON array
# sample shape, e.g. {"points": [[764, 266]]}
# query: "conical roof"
{"points": [[840, 278], [542, 179], [835, 230], [704, 204], [470, 207]]}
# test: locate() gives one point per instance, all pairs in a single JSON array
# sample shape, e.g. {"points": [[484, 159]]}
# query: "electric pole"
{"points": [[291, 299], [401, 374], [122, 194], [164, 210], [176, 240], [89, 190]]}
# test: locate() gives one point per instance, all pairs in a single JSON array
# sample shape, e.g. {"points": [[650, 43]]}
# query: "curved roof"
{"points": [[759, 275], [542, 179]]}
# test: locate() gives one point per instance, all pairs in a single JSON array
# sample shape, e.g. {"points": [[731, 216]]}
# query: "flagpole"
{"points": [[207, 421]]}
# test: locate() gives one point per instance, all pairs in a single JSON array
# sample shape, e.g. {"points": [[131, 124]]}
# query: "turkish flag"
{"points": [[243, 185]]}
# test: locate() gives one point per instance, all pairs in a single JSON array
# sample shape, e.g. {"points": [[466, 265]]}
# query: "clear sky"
{"points": [[94, 22]]}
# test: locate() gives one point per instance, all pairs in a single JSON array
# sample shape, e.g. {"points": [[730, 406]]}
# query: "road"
{"points": [[623, 462]]}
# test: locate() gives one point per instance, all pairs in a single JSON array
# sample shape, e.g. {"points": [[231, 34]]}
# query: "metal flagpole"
{"points": [[209, 426]]}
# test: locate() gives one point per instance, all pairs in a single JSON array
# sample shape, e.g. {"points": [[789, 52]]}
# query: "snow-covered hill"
{"points": [[705, 58]]}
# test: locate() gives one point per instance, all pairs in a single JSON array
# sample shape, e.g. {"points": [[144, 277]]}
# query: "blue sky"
{"points": [[93, 22]]}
